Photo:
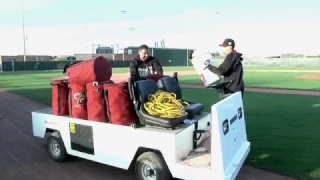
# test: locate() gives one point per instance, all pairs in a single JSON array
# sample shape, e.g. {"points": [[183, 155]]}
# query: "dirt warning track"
{"points": [[24, 157]]}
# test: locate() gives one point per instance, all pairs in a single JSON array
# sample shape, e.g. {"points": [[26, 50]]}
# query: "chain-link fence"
{"points": [[48, 65]]}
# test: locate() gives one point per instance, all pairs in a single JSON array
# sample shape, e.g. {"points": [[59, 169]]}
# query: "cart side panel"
{"points": [[38, 125], [229, 144], [42, 120], [115, 145], [86, 139], [104, 143], [184, 139], [99, 142]]}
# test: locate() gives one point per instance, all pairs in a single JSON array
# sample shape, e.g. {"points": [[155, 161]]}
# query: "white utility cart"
{"points": [[155, 153]]}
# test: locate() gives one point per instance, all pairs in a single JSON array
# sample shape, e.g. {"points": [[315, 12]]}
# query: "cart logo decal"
{"points": [[225, 127], [236, 116], [233, 119], [240, 113], [80, 98], [72, 127]]}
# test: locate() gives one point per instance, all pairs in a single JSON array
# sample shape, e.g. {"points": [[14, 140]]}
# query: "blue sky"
{"points": [[174, 17], [54, 12]]}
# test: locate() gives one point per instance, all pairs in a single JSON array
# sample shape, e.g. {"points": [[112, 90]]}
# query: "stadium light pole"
{"points": [[123, 12], [24, 34], [86, 38]]}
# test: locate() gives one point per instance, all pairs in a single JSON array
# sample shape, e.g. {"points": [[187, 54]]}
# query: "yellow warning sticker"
{"points": [[72, 128]]}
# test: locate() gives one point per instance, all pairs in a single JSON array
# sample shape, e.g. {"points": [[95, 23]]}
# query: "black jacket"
{"points": [[140, 69], [231, 68]]}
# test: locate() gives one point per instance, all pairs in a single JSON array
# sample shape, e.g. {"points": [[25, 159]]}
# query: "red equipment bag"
{"points": [[119, 106], [96, 105], [95, 69], [77, 101], [60, 92]]}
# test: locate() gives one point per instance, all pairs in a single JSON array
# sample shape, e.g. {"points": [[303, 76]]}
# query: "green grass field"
{"points": [[283, 129], [285, 80]]}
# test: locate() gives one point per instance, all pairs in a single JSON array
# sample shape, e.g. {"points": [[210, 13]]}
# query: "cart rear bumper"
{"points": [[238, 162]]}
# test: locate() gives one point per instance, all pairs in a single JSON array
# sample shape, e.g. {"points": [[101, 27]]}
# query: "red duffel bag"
{"points": [[95, 69], [119, 106], [96, 107], [60, 92], [77, 101]]}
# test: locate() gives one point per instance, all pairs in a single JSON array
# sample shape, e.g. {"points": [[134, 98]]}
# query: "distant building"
{"points": [[104, 50]]}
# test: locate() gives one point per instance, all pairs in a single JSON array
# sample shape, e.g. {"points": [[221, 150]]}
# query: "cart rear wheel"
{"points": [[150, 166], [56, 149]]}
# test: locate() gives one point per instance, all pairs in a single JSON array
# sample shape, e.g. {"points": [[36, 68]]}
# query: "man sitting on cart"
{"points": [[144, 65]]}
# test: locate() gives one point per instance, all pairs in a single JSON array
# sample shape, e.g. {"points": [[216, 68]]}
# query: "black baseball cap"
{"points": [[228, 42]]}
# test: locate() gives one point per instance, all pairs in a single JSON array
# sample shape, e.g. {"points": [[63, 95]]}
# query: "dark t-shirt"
{"points": [[141, 69]]}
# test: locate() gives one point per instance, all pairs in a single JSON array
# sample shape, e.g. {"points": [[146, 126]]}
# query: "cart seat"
{"points": [[139, 92], [156, 77], [171, 85], [220, 87]]}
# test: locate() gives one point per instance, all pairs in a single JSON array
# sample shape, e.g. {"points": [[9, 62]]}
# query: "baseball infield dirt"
{"points": [[124, 76], [309, 77]]}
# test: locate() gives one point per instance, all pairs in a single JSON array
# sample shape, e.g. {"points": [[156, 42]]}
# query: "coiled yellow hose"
{"points": [[164, 104]]}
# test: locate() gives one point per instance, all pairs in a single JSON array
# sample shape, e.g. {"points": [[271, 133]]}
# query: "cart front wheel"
{"points": [[56, 149], [150, 166]]}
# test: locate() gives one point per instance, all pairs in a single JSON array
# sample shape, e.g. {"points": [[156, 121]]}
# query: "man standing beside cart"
{"points": [[231, 68]]}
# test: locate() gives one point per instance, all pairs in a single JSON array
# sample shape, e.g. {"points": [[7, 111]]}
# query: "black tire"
{"points": [[56, 149], [151, 164]]}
